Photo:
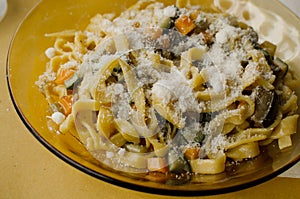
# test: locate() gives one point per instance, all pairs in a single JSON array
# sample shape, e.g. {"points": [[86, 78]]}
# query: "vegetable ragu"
{"points": [[171, 92]]}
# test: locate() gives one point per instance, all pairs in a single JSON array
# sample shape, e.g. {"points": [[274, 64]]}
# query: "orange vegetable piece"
{"points": [[184, 24], [66, 103], [192, 153], [158, 164], [64, 74]]}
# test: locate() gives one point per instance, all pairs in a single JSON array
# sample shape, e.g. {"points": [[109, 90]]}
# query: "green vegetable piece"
{"points": [[177, 163], [166, 22], [206, 117], [199, 137], [281, 68], [269, 47]]}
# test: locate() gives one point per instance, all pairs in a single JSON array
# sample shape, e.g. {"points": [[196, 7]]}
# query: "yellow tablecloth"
{"points": [[28, 170]]}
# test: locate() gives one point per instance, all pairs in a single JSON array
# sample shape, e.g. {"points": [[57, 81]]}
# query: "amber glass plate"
{"points": [[26, 61]]}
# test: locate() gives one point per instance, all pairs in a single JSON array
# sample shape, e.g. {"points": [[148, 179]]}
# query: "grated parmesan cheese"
{"points": [[174, 86], [44, 79]]}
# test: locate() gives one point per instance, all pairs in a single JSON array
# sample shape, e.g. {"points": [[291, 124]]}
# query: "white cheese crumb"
{"points": [[225, 34], [170, 11], [50, 52], [58, 117], [222, 37]]}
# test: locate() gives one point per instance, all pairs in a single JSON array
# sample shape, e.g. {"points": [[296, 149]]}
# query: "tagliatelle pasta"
{"points": [[169, 89]]}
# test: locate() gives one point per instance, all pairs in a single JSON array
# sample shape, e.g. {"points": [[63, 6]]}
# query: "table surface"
{"points": [[28, 170]]}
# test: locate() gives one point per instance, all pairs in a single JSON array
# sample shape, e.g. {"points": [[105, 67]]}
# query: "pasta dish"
{"points": [[169, 90]]}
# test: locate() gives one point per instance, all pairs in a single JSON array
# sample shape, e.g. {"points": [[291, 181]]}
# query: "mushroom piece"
{"points": [[265, 107], [281, 68]]}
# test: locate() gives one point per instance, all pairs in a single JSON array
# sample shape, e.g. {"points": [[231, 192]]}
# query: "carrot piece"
{"points": [[184, 24], [66, 104], [63, 75], [158, 164], [192, 153]]}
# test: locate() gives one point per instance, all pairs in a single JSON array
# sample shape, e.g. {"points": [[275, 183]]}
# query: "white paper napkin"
{"points": [[293, 5], [3, 9]]}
